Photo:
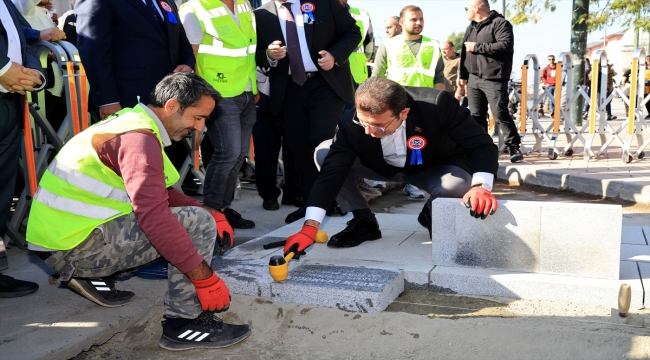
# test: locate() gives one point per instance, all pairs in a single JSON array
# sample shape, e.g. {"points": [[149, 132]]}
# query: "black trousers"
{"points": [[10, 131], [268, 138], [480, 93], [310, 113]]}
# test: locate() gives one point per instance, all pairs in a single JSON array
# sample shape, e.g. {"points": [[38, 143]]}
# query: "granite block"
{"points": [[244, 276], [347, 288], [519, 285], [508, 239], [633, 235], [581, 239]]}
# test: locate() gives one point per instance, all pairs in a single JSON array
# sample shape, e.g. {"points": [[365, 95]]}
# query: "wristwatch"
{"points": [[487, 187]]}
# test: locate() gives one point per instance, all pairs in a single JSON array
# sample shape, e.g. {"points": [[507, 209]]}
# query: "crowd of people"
{"points": [[294, 75]]}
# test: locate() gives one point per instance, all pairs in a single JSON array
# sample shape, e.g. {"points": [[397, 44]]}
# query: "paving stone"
{"points": [[581, 239], [633, 235], [519, 285], [244, 276], [347, 288]]}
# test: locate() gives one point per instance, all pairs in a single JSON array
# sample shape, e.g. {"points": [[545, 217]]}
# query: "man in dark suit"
{"points": [[127, 47], [310, 76], [419, 136], [19, 73]]}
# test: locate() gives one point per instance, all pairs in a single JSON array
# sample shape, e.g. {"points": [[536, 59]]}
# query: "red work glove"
{"points": [[225, 233], [304, 239], [213, 293], [480, 202]]}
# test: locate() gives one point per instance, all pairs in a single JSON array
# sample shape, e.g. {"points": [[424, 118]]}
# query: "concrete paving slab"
{"points": [[346, 288], [593, 247], [519, 285], [633, 235]]}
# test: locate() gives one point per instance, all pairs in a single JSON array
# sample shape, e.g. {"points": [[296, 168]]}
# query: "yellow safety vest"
{"points": [[409, 70], [78, 192], [226, 55], [358, 58]]}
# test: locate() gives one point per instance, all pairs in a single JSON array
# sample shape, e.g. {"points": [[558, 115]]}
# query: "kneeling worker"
{"points": [[419, 136], [106, 204]]}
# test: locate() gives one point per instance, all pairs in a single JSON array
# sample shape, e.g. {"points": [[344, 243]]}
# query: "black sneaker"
{"points": [[515, 154], [357, 231], [101, 291], [236, 221], [11, 288], [206, 331]]}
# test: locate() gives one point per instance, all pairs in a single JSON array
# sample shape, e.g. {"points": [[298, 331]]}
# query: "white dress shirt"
{"points": [[393, 147], [300, 26]]}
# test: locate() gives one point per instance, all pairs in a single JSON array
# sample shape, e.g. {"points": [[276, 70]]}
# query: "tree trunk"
{"points": [[578, 50]]}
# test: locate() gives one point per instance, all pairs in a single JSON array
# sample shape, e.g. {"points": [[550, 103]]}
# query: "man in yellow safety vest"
{"points": [[411, 59], [106, 204], [223, 38], [359, 58]]}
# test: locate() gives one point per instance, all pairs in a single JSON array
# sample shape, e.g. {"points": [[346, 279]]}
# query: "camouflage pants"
{"points": [[120, 244]]}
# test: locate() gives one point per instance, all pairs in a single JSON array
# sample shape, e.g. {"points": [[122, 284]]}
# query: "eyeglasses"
{"points": [[356, 120]]}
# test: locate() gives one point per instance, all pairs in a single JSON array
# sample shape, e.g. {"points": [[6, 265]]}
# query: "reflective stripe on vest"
{"points": [[227, 51], [358, 58], [409, 70], [78, 193]]}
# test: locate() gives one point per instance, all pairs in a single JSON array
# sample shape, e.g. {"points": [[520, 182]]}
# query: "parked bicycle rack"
{"points": [[636, 102]]}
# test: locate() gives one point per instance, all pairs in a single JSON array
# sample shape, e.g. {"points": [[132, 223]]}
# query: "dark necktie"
{"points": [[298, 74], [154, 11]]}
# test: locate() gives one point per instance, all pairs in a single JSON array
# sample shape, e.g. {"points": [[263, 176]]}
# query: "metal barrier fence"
{"points": [[598, 99]]}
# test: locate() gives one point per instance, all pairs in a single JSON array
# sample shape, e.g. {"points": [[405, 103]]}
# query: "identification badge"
{"points": [[170, 13], [308, 9], [416, 144]]}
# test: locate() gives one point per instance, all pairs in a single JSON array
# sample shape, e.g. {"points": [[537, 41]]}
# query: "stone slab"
{"points": [[520, 285], [244, 276], [540, 237], [346, 288], [581, 239], [633, 235]]}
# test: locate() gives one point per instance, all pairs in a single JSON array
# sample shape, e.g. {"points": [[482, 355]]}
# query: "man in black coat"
{"points": [[313, 39], [20, 71], [485, 66], [420, 136]]}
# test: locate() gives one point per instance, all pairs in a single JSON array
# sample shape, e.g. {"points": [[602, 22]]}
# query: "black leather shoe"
{"points": [[336, 210], [425, 219], [10, 287], [271, 204], [357, 231], [293, 201], [515, 154], [236, 221], [296, 215]]}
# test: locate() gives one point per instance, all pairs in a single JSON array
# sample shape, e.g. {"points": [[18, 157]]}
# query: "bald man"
{"points": [[392, 26], [485, 65]]}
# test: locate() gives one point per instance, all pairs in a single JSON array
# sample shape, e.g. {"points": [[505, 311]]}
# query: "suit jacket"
{"points": [[333, 30], [125, 51], [453, 138], [29, 56]]}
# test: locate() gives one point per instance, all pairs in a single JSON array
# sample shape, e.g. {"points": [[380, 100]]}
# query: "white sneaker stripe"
{"points": [[99, 288], [185, 334], [98, 283], [193, 335], [202, 336]]}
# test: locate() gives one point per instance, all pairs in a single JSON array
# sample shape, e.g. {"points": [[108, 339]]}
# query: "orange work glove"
{"points": [[213, 293], [480, 202], [225, 233], [304, 239]]}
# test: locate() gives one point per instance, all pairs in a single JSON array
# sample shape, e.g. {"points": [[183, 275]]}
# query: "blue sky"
{"points": [[551, 35]]}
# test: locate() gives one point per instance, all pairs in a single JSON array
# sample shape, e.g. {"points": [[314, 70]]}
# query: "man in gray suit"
{"points": [[18, 75]]}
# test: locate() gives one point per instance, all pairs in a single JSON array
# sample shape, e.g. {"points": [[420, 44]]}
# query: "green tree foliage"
{"points": [[602, 12], [457, 40]]}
